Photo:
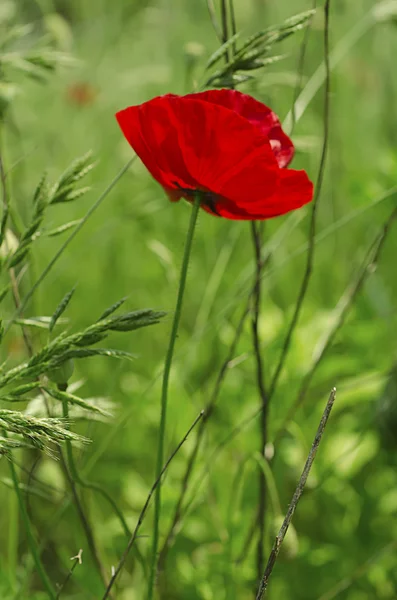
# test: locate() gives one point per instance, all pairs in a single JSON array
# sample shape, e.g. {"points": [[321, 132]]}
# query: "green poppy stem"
{"points": [[164, 391]]}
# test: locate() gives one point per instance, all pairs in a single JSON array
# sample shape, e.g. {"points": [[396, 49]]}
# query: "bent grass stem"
{"points": [[164, 391], [146, 505]]}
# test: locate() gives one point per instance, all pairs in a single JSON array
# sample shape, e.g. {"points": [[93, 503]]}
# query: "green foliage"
{"points": [[65, 347], [23, 52], [345, 525], [253, 52], [41, 433], [62, 306], [54, 360], [64, 190]]}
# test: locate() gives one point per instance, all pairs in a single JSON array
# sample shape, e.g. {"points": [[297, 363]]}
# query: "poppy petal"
{"points": [[223, 144], [294, 191], [195, 144], [218, 144], [256, 113], [151, 131]]}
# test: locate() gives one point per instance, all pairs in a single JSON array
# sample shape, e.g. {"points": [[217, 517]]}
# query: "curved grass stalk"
{"points": [[164, 391], [146, 505]]}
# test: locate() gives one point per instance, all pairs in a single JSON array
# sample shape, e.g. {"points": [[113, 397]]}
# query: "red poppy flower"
{"points": [[222, 143]]}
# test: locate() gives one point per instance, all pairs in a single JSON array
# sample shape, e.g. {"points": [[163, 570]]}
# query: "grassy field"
{"points": [[343, 541]]}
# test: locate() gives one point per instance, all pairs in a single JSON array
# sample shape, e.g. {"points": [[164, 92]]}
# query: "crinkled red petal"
{"points": [[218, 142], [151, 130], [256, 113], [200, 145], [294, 191]]}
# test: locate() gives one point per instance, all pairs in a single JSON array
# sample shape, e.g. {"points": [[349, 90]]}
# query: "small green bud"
{"points": [[63, 373]]}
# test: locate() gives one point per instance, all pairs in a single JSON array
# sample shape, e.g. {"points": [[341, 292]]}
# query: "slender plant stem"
{"points": [[339, 52], [247, 542], [146, 505], [225, 34], [296, 497], [83, 517], [313, 219], [17, 301], [164, 391], [24, 513], [3, 239], [256, 232], [199, 437], [90, 485], [13, 537], [70, 472], [179, 511], [19, 308], [373, 257], [301, 62], [31, 541], [345, 302], [233, 24], [77, 561], [5, 198], [214, 20], [61, 250]]}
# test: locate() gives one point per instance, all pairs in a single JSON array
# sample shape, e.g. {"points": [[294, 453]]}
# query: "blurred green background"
{"points": [[344, 540]]}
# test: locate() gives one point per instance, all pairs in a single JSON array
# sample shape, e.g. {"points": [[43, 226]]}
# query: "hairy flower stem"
{"points": [[256, 230], [164, 391]]}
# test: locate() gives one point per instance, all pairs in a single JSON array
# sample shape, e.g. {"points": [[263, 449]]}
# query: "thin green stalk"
{"points": [[257, 234], [225, 34], [72, 476], [164, 391], [13, 538], [134, 536], [61, 250], [95, 487], [25, 517], [313, 218], [31, 541]]}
